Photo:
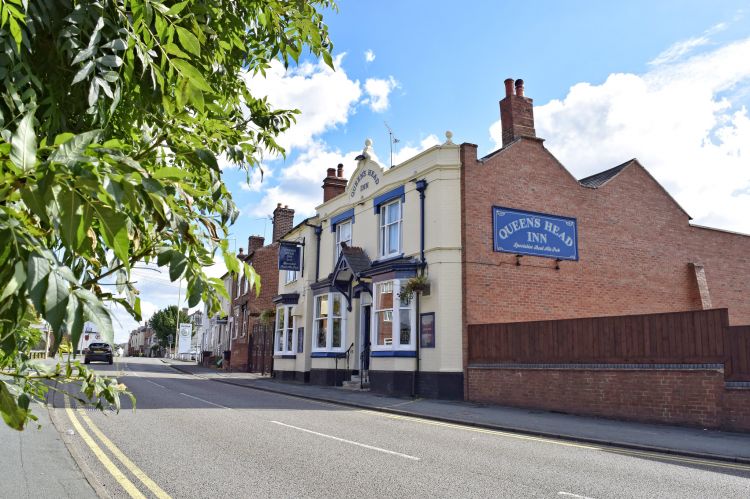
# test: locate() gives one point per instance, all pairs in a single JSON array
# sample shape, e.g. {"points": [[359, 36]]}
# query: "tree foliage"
{"points": [[114, 118], [164, 324]]}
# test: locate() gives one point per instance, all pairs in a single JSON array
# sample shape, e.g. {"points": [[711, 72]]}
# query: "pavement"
{"points": [[35, 463], [665, 439]]}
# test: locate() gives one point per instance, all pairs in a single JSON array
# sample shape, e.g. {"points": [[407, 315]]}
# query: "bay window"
{"points": [[390, 228], [329, 323], [391, 309], [284, 341]]}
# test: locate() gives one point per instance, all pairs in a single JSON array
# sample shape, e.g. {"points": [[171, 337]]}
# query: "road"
{"points": [[192, 437]]}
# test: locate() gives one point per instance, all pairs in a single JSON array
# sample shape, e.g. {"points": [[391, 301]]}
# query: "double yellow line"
{"points": [[118, 475]]}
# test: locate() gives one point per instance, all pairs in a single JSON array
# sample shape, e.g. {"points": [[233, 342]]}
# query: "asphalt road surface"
{"points": [[191, 437]]}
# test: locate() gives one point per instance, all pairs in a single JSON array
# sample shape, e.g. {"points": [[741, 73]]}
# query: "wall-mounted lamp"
{"points": [[518, 260], [557, 263]]}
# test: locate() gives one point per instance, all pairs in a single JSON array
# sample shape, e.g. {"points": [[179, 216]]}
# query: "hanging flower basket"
{"points": [[417, 284]]}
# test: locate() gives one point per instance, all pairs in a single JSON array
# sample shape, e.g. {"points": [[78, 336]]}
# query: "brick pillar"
{"points": [[254, 242], [702, 283]]}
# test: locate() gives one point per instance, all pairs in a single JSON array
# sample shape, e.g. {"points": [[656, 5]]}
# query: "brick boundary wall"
{"points": [[683, 396]]}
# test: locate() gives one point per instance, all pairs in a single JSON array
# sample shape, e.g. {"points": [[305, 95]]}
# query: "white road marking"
{"points": [[568, 494], [206, 401], [386, 451], [153, 382]]}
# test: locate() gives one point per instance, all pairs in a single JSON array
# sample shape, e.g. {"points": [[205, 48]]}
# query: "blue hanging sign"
{"points": [[537, 234], [289, 256]]}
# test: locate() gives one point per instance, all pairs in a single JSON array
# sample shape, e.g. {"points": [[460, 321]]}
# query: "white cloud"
{"points": [[679, 49], [301, 182], [680, 120], [378, 91], [325, 97], [408, 151], [369, 55]]}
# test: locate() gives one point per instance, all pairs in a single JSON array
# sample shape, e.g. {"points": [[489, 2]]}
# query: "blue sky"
{"points": [[667, 82]]}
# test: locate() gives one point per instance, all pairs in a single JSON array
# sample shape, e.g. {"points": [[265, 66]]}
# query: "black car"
{"points": [[98, 351]]}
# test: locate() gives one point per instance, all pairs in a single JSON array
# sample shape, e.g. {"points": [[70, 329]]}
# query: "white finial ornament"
{"points": [[448, 137], [367, 151]]}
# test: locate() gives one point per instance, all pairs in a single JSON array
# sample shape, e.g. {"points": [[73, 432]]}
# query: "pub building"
{"points": [[378, 288]]}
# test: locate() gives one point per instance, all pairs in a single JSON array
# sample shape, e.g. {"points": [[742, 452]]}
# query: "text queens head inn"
{"points": [[397, 262]]}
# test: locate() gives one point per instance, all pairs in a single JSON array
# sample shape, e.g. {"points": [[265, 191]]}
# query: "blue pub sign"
{"points": [[537, 234], [289, 256]]}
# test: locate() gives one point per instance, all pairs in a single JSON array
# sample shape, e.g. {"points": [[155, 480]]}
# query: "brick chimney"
{"points": [[516, 113], [254, 242], [334, 183], [283, 221]]}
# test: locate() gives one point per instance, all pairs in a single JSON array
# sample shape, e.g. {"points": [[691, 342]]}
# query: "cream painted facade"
{"points": [[379, 215]]}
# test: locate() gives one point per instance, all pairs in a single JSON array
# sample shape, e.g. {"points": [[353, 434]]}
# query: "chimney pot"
{"points": [[340, 171], [509, 87], [278, 205], [516, 113], [333, 184], [331, 172]]}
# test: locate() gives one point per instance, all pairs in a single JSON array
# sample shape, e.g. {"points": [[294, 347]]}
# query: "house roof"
{"points": [[601, 178], [356, 258]]}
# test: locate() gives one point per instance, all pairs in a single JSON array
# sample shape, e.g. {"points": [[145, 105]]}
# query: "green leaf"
{"points": [[16, 282], [23, 144], [114, 228], [83, 73], [177, 265], [188, 41], [111, 61], [94, 311], [38, 268], [176, 8], [56, 301], [15, 31], [231, 262], [14, 416], [75, 320], [72, 223], [196, 292], [189, 71], [170, 172], [72, 151]]}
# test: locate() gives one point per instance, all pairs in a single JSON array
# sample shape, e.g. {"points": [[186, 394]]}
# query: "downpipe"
{"points": [[421, 188]]}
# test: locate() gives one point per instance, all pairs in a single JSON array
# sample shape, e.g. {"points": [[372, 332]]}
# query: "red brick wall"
{"points": [[634, 241], [736, 405], [687, 397], [265, 262]]}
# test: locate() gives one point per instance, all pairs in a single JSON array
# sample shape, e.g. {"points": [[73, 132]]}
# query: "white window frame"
{"points": [[236, 317], [338, 240], [285, 332], [395, 320], [329, 323], [291, 276], [383, 227]]}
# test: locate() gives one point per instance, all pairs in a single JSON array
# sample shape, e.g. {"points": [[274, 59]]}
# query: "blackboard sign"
{"points": [[427, 330]]}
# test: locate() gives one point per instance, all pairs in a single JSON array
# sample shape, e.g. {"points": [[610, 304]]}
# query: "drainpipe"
{"points": [[421, 188], [318, 232]]}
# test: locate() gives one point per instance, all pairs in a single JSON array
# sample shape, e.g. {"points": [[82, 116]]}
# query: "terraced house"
{"points": [[400, 266]]}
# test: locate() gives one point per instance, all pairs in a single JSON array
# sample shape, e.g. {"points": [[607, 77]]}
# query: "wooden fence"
{"points": [[695, 337], [737, 341]]}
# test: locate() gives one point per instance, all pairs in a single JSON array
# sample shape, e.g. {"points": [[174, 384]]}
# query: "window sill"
{"points": [[393, 353], [330, 355], [284, 356], [388, 258]]}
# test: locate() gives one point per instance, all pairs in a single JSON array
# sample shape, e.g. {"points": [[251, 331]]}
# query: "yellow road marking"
{"points": [[135, 470], [616, 450], [126, 484]]}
